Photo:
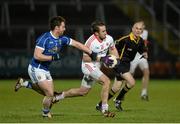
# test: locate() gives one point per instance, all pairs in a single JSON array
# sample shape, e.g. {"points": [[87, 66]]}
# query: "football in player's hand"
{"points": [[111, 62]]}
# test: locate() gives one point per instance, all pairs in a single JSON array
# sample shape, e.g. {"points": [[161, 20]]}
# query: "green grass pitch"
{"points": [[25, 105]]}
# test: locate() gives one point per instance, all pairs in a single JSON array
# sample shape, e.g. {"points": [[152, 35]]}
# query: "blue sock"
{"points": [[45, 111], [29, 85]]}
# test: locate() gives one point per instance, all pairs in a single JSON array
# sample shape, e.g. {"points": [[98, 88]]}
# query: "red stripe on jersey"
{"points": [[98, 39], [89, 67], [90, 40]]}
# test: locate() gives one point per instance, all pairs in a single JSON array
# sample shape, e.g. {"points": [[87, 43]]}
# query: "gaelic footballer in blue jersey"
{"points": [[47, 49]]}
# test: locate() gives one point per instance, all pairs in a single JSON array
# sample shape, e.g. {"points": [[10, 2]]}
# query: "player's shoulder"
{"points": [[125, 37], [141, 39], [91, 38], [43, 37], [109, 37], [64, 37]]}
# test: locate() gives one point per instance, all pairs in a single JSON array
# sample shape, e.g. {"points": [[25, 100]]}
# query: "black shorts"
{"points": [[122, 68]]}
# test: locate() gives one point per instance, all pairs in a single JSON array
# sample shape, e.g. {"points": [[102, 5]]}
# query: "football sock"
{"points": [[104, 107], [123, 92], [111, 94], [27, 84], [47, 102], [144, 92], [45, 111], [59, 97]]}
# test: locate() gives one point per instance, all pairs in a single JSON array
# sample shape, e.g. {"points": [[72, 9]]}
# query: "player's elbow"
{"points": [[37, 56]]}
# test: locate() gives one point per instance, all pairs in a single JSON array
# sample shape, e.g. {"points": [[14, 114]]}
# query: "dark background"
{"points": [[22, 21]]}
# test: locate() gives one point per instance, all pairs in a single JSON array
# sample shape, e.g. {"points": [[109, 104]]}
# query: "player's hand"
{"points": [[144, 55], [93, 56], [56, 57], [107, 61]]}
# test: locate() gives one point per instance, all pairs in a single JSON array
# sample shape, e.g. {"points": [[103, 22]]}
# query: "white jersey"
{"points": [[99, 47], [92, 69]]}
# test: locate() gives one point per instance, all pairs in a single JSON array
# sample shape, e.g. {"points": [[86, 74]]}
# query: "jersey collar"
{"points": [[133, 39], [98, 39], [53, 35]]}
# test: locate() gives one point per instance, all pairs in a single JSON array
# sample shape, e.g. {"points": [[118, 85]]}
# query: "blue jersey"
{"points": [[51, 46]]}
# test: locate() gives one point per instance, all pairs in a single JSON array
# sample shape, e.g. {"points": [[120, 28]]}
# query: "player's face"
{"points": [[102, 32], [137, 29], [61, 28]]}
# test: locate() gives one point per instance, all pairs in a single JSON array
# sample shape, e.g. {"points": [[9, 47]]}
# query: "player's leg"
{"points": [[97, 74], [28, 84], [133, 65], [22, 83], [48, 88], [45, 84], [83, 90], [115, 88], [105, 81], [130, 82], [145, 79], [90, 71]]}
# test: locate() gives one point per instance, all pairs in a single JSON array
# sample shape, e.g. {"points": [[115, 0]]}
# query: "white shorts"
{"points": [[91, 72], [38, 75], [137, 62]]}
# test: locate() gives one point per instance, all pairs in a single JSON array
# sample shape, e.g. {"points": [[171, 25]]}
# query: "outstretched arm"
{"points": [[81, 46], [84, 48]]}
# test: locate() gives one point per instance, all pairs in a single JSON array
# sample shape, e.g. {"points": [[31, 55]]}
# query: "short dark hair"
{"points": [[56, 21], [95, 25]]}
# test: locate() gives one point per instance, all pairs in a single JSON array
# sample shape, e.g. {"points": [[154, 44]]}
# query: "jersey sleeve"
{"points": [[112, 43], [40, 42], [120, 43], [89, 42], [66, 40]]}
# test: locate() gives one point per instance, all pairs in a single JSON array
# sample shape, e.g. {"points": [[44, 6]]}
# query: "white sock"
{"points": [[144, 92], [104, 107], [59, 97], [25, 83]]}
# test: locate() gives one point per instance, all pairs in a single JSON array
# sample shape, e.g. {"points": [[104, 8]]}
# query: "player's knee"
{"points": [[48, 99], [106, 81], [131, 83], [146, 72], [84, 91], [49, 93]]}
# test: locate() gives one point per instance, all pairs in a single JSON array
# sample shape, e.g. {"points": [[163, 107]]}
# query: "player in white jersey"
{"points": [[142, 63], [47, 49], [101, 43]]}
